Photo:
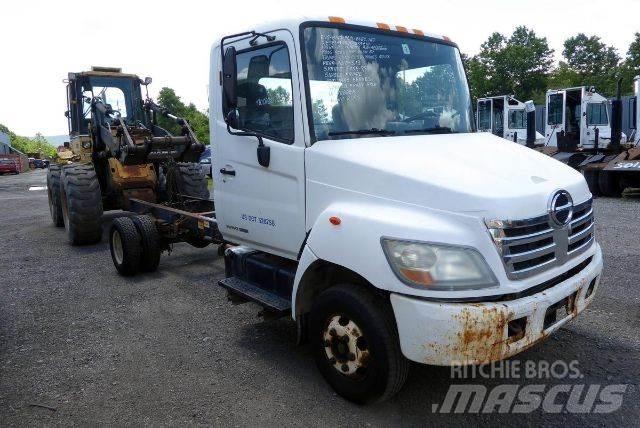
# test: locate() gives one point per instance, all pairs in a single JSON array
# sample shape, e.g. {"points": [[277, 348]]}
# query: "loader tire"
{"points": [[53, 192], [187, 179], [609, 184], [125, 244], [150, 240], [81, 204], [591, 177]]}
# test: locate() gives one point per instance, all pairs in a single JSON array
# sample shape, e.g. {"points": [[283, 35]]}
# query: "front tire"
{"points": [[53, 192], [81, 204], [355, 344]]}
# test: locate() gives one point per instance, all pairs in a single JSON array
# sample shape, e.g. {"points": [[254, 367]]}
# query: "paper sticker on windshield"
{"points": [[405, 49]]}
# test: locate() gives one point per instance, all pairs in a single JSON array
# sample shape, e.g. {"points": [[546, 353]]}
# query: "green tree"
{"points": [[519, 64], [320, 114], [588, 62], [198, 120], [278, 96], [631, 65], [30, 146]]}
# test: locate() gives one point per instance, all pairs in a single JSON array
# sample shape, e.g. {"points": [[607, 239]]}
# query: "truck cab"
{"points": [[505, 117], [575, 116], [354, 195]]}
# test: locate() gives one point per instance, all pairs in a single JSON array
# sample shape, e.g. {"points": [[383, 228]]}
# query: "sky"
{"points": [[42, 40]]}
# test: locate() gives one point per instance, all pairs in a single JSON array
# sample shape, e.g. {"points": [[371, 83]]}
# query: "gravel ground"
{"points": [[81, 345]]}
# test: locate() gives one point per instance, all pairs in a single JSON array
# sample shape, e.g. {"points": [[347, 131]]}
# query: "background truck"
{"points": [[353, 196], [506, 117], [621, 170], [581, 133], [117, 153]]}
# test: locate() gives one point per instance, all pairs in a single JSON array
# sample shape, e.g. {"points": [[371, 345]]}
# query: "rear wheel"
{"points": [[81, 202], [150, 241], [126, 246], [609, 184], [591, 177], [355, 343], [53, 192]]}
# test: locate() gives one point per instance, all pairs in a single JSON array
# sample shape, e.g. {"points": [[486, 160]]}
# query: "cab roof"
{"points": [[293, 26]]}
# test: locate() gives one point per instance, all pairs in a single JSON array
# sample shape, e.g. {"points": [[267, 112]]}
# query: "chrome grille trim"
{"points": [[531, 246]]}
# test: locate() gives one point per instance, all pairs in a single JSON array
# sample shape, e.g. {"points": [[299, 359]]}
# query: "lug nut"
{"points": [[345, 368]]}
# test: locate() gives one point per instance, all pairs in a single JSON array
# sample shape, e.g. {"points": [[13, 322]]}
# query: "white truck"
{"points": [[574, 117], [507, 117], [352, 194]]}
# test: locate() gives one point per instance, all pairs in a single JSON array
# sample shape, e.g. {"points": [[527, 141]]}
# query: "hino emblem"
{"points": [[560, 209]]}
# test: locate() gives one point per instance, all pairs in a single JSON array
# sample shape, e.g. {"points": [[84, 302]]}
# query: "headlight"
{"points": [[438, 266], [86, 144]]}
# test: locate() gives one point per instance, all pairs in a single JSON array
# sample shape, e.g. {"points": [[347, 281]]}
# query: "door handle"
{"points": [[227, 171]]}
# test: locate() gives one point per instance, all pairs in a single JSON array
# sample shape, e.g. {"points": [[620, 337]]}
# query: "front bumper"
{"points": [[441, 333]]}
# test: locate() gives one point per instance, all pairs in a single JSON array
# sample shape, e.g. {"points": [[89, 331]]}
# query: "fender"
{"points": [[354, 243]]}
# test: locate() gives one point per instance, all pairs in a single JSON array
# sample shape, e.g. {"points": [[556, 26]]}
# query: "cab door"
{"points": [[262, 206], [555, 122], [484, 115]]}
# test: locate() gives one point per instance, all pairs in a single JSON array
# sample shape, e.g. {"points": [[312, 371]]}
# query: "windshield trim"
{"points": [[355, 27]]}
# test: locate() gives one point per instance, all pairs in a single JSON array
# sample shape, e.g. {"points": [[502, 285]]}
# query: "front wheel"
{"points": [[53, 192], [355, 344]]}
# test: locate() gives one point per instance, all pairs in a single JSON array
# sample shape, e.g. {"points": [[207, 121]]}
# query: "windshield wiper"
{"points": [[433, 130], [364, 132]]}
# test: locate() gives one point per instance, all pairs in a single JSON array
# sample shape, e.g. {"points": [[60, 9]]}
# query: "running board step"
{"points": [[246, 290]]}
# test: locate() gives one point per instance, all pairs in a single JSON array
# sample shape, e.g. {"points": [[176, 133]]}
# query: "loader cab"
{"points": [[575, 116], [121, 91]]}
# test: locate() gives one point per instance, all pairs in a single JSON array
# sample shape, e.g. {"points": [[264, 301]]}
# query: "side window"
{"points": [[554, 109], [517, 119], [484, 115], [597, 114], [265, 92]]}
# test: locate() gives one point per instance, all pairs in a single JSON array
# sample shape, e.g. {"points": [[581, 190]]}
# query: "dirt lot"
{"points": [[81, 345]]}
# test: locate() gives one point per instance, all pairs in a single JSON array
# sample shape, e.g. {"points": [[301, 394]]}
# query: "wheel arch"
{"points": [[320, 275]]}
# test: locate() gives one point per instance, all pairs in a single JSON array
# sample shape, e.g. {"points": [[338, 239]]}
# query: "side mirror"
{"points": [[147, 81], [229, 81], [66, 114], [233, 119]]}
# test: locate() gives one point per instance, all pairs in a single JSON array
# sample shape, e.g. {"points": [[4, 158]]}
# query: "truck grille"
{"points": [[531, 246]]}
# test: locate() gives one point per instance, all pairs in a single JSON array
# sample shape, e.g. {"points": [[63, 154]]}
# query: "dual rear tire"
{"points": [[135, 245]]}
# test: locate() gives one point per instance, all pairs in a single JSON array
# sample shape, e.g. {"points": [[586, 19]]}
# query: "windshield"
{"points": [[517, 119], [364, 83], [597, 114]]}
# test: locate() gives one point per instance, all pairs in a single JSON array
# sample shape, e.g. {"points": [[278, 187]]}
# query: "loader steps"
{"points": [[250, 292]]}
